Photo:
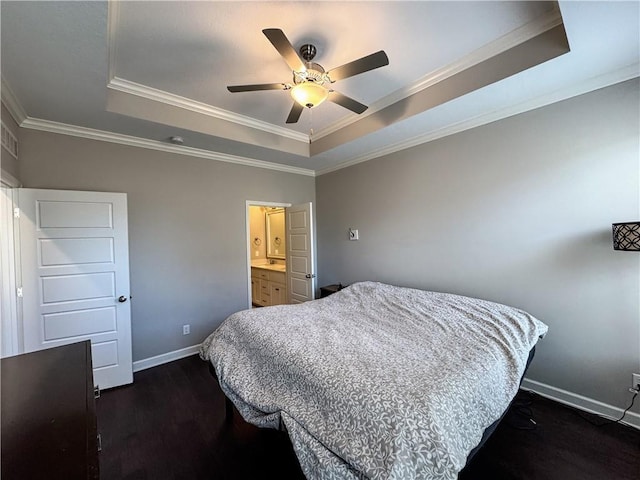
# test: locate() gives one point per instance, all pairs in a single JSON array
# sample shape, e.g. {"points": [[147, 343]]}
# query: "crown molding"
{"points": [[595, 83], [113, 18], [544, 23], [150, 93], [12, 103], [520, 35], [8, 180], [133, 88], [103, 136]]}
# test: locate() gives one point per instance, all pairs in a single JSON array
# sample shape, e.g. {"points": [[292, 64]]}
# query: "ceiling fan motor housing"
{"points": [[308, 51], [314, 73], [308, 87]]}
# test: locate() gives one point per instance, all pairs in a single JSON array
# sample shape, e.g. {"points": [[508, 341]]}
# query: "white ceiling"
{"points": [[151, 70]]}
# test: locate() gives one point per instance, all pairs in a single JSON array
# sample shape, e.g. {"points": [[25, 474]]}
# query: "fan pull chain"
{"points": [[310, 124]]}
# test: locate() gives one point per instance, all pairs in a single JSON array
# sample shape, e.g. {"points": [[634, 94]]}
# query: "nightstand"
{"points": [[329, 289]]}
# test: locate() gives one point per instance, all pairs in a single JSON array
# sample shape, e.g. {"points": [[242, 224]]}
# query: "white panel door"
{"points": [[74, 260], [300, 274]]}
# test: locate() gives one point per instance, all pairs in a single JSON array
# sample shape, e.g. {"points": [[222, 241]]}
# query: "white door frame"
{"points": [[9, 254], [9, 312], [254, 203]]}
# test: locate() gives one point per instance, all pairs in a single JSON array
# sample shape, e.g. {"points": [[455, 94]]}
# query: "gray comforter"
{"points": [[376, 381]]}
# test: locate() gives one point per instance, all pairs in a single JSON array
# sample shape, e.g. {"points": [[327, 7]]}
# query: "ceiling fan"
{"points": [[311, 83]]}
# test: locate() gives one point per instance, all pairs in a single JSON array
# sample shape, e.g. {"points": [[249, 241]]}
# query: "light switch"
{"points": [[353, 234]]}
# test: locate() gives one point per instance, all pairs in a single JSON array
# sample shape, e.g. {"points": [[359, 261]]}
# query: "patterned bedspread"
{"points": [[376, 381]]}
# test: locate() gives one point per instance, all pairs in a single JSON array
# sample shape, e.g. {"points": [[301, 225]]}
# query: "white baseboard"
{"points": [[583, 403], [165, 358]]}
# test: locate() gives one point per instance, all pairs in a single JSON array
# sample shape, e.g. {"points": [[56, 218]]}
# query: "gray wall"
{"points": [[187, 239], [519, 212], [8, 163]]}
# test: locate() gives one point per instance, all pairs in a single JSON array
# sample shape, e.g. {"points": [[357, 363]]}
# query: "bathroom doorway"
{"points": [[281, 262], [267, 250]]}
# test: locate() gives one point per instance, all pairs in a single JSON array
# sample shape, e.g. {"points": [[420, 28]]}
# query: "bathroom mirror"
{"points": [[276, 247]]}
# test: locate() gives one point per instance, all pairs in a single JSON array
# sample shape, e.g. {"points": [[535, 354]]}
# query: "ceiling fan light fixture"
{"points": [[309, 78], [309, 94]]}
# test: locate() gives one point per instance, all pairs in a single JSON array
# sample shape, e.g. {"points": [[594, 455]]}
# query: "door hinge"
{"points": [[16, 212], [19, 292]]}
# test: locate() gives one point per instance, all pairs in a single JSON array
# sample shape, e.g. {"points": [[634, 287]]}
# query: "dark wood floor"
{"points": [[170, 425]]}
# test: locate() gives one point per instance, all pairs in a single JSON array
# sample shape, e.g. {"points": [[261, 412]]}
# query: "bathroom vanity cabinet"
{"points": [[268, 286]]}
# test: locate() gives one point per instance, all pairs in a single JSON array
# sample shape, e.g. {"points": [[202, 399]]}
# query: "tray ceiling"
{"points": [[152, 70]]}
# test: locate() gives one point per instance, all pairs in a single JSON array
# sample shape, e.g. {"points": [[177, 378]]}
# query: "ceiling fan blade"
{"points": [[253, 88], [284, 48], [364, 64], [294, 114], [346, 102]]}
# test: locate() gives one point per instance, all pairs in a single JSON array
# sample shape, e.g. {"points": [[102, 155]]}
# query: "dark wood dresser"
{"points": [[49, 415]]}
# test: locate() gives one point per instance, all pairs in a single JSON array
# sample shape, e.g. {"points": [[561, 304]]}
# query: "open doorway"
{"points": [[281, 261], [267, 254]]}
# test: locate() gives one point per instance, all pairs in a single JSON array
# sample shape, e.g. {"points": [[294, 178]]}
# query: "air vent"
{"points": [[9, 141]]}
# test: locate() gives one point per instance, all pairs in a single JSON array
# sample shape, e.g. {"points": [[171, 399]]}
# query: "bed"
{"points": [[376, 381]]}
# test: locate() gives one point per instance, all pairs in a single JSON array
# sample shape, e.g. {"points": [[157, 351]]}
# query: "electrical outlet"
{"points": [[636, 380], [186, 329]]}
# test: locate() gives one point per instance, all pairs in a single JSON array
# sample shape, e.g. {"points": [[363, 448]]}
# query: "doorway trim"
{"points": [[255, 203], [10, 326], [9, 259]]}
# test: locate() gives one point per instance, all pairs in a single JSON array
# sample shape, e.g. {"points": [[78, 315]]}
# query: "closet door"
{"points": [[74, 261]]}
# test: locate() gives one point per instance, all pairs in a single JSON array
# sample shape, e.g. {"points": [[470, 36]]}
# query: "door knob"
{"points": [[310, 275], [122, 299]]}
